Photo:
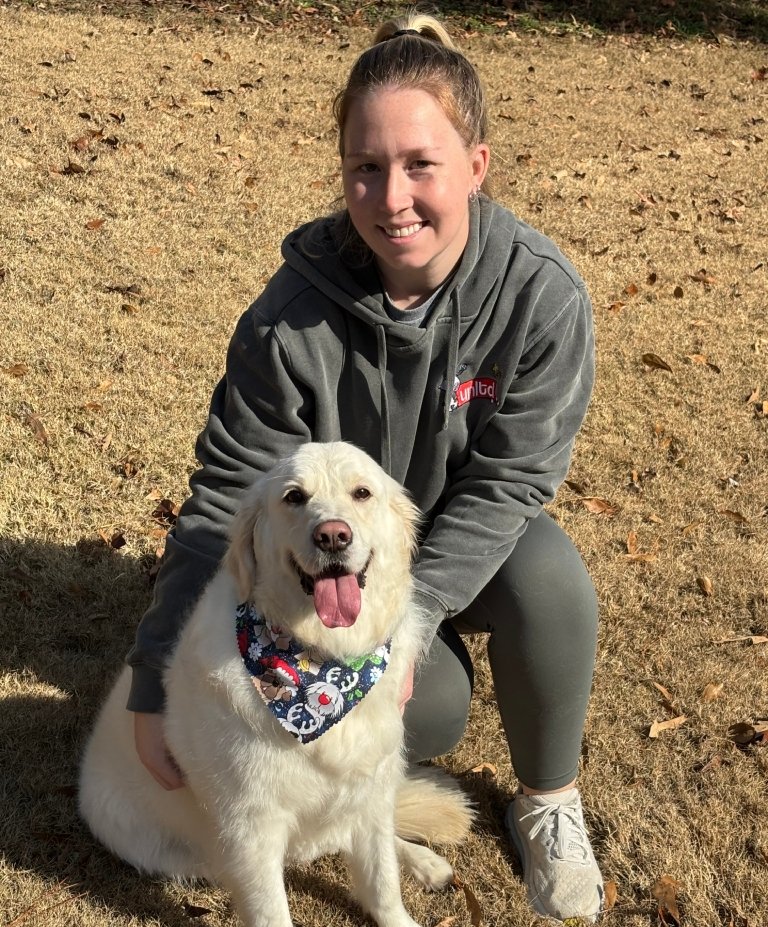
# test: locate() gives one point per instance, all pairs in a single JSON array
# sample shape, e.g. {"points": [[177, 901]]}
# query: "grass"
{"points": [[152, 162]]}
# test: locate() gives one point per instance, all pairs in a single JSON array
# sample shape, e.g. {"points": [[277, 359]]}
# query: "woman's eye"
{"points": [[367, 168], [421, 165], [294, 497], [361, 493]]}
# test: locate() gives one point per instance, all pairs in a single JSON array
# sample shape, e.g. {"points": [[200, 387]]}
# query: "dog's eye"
{"points": [[294, 497], [361, 493]]}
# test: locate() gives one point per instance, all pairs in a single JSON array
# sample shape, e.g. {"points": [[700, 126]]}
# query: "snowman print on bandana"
{"points": [[307, 695]]}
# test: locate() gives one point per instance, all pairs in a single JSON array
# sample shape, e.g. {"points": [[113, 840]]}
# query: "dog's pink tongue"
{"points": [[337, 600]]}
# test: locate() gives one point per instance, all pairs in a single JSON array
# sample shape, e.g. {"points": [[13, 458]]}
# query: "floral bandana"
{"points": [[306, 697]]}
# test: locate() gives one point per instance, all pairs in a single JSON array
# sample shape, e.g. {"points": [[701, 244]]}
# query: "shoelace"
{"points": [[565, 828]]}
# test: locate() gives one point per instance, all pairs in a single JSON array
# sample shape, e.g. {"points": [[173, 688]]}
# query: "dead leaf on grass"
{"points": [[447, 921], [611, 895], [94, 225], [16, 370], [706, 585], [473, 905], [116, 540], [597, 506], [655, 362], [751, 638], [744, 733], [659, 727], [483, 768], [665, 892], [734, 516], [38, 429], [195, 910], [711, 691]]}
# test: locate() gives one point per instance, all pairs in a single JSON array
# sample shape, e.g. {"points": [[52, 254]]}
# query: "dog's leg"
{"points": [[253, 872], [428, 867], [375, 875]]}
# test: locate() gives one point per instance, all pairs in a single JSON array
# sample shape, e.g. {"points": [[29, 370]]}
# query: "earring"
{"points": [[473, 194]]}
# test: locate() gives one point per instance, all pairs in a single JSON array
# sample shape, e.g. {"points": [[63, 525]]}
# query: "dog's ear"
{"points": [[240, 558], [408, 516]]}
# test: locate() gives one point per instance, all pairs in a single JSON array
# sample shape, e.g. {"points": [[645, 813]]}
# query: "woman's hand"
{"points": [[150, 745]]}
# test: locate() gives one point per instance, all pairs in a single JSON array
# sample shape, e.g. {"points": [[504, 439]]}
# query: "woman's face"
{"points": [[407, 177]]}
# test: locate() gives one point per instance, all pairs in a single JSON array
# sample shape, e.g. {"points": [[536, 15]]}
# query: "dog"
{"points": [[283, 706]]}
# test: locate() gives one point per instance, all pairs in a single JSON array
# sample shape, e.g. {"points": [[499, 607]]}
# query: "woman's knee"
{"points": [[436, 717]]}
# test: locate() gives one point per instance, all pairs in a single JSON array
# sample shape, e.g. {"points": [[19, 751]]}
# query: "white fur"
{"points": [[255, 798]]}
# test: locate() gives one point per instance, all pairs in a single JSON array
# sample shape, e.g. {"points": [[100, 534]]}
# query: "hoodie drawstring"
{"points": [[453, 357], [386, 450]]}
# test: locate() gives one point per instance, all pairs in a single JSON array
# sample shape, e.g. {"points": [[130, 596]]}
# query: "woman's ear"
{"points": [[240, 558], [479, 159]]}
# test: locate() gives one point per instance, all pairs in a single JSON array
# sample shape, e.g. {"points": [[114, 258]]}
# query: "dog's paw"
{"points": [[426, 866]]}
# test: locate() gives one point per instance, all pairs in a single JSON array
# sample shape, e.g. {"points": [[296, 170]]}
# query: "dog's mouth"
{"points": [[335, 592]]}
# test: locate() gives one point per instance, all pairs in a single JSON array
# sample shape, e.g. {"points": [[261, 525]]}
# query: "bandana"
{"points": [[306, 696]]}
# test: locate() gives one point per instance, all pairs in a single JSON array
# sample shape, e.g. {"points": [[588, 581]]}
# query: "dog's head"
{"points": [[326, 537]]}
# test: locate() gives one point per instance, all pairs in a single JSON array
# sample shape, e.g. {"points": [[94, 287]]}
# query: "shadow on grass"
{"points": [[67, 619], [740, 19]]}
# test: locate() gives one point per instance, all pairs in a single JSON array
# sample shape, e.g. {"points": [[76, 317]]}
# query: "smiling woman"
{"points": [[430, 327], [407, 181]]}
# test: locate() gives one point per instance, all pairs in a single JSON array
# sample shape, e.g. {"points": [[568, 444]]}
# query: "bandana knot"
{"points": [[306, 693]]}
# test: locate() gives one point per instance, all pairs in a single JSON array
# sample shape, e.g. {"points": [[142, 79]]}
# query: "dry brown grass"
{"points": [[149, 171]]}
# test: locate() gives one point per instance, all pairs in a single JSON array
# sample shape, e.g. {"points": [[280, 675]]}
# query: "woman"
{"points": [[453, 343]]}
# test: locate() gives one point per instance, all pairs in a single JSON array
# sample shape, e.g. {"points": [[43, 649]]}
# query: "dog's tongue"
{"points": [[337, 600]]}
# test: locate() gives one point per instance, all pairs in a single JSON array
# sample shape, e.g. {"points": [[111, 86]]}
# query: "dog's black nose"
{"points": [[332, 536]]}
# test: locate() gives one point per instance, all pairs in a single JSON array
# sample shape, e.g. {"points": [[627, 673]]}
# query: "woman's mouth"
{"points": [[403, 231]]}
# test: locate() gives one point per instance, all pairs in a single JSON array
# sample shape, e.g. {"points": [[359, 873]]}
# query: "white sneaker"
{"points": [[559, 867]]}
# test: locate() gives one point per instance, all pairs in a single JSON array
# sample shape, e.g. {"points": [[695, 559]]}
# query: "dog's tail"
{"points": [[432, 808]]}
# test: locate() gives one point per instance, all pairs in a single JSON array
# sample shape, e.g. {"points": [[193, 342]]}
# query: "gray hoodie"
{"points": [[475, 412]]}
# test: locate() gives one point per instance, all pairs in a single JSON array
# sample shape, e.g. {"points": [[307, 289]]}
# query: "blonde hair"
{"points": [[427, 60]]}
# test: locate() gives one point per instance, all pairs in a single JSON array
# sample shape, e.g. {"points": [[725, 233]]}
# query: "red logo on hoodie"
{"points": [[477, 388]]}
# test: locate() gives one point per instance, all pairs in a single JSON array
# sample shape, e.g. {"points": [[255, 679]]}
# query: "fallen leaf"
{"points": [[706, 585], [754, 396], [38, 429], [16, 370], [743, 733], [597, 506], [653, 360], [752, 638], [659, 726], [702, 276], [473, 906], [632, 545], [486, 768], [194, 910], [665, 892], [447, 921], [611, 894], [715, 763], [631, 289], [734, 516], [711, 691], [115, 540], [94, 224], [678, 292]]}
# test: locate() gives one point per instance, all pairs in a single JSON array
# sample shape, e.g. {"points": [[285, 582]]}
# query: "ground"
{"points": [[153, 157]]}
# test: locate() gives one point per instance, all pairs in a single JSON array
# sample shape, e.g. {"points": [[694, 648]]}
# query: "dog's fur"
{"points": [[255, 798]]}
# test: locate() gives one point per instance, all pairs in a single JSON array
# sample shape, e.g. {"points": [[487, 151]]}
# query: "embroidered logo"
{"points": [[475, 388], [306, 694]]}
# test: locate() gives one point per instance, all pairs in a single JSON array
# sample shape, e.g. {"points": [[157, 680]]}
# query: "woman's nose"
{"points": [[396, 192]]}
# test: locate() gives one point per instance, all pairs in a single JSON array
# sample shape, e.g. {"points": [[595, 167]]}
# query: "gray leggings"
{"points": [[540, 614]]}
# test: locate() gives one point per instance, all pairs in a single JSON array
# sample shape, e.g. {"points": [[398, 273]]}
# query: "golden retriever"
{"points": [[282, 706]]}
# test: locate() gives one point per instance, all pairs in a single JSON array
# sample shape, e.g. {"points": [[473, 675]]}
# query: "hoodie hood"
{"points": [[313, 250]]}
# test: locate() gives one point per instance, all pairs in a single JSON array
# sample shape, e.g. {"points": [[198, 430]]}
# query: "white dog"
{"points": [[283, 706]]}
